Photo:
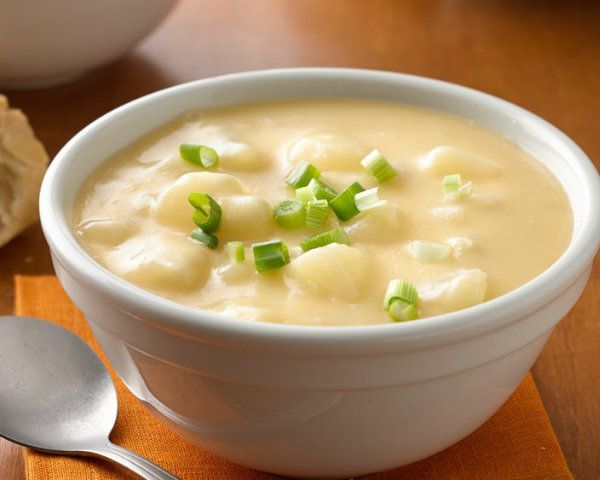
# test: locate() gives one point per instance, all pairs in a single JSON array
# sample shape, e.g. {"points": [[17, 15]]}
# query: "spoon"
{"points": [[57, 396]]}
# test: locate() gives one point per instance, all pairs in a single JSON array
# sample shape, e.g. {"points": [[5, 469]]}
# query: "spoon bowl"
{"points": [[57, 396]]}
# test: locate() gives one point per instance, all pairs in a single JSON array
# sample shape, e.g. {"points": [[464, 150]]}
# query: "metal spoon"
{"points": [[57, 396]]}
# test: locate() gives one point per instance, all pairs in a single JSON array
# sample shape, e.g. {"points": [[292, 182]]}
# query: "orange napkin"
{"points": [[516, 443]]}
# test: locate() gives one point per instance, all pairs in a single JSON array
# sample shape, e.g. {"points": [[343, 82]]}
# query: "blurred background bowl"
{"points": [[43, 44]]}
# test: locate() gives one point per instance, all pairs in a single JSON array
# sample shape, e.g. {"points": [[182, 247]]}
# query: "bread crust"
{"points": [[23, 162]]}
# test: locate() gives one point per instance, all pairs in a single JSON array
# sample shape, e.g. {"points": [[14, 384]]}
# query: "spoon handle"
{"points": [[132, 461]]}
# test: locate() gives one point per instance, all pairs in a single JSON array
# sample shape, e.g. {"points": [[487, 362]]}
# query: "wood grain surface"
{"points": [[544, 56]]}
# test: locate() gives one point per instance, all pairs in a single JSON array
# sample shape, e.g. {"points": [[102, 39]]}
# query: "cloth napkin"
{"points": [[517, 443]]}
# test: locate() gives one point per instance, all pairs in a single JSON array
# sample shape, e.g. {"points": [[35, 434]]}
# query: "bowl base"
{"points": [[41, 83]]}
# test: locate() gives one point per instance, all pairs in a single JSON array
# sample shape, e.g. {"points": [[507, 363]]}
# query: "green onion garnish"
{"points": [[426, 251], [290, 213], [190, 152], [270, 255], [199, 154], [321, 190], [379, 168], [208, 157], [316, 213], [399, 289], [206, 238], [454, 188], [451, 185], [304, 194], [235, 251], [368, 199], [344, 205], [302, 174], [402, 312], [337, 235], [208, 212]]}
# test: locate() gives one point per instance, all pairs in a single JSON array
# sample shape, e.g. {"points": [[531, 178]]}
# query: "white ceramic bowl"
{"points": [[320, 401], [49, 42]]}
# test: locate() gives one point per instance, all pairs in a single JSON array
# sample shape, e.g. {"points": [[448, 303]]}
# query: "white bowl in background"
{"points": [[320, 401], [50, 42]]}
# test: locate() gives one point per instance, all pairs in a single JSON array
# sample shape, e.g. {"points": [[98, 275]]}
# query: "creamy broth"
{"points": [[133, 217]]}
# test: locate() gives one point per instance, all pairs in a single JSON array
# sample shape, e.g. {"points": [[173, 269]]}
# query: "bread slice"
{"points": [[23, 162]]}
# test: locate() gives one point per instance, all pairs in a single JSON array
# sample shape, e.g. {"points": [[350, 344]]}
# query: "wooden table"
{"points": [[542, 55]]}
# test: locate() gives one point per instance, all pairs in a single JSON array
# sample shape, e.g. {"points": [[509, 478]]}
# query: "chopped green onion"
{"points": [[379, 168], [316, 213], [206, 238], [399, 289], [454, 188], [202, 155], [208, 157], [290, 213], [344, 205], [368, 199], [190, 152], [302, 174], [304, 194], [402, 312], [426, 251], [235, 251], [270, 255], [208, 212], [337, 235], [451, 185], [321, 190], [400, 300]]}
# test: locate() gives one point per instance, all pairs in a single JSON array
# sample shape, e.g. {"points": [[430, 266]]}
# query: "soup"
{"points": [[325, 212]]}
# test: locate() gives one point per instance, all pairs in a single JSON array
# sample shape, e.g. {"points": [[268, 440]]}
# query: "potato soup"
{"points": [[341, 212]]}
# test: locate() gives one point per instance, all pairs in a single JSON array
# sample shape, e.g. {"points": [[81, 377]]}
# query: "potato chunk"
{"points": [[245, 217], [328, 151], [237, 273], [172, 166], [239, 156], [335, 270], [446, 160], [162, 261], [460, 245], [172, 208], [462, 289], [106, 231], [449, 212], [387, 220]]}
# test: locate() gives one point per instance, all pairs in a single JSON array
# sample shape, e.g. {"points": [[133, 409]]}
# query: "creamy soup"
{"points": [[451, 214]]}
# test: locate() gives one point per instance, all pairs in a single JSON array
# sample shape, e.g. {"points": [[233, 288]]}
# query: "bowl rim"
{"points": [[216, 327]]}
